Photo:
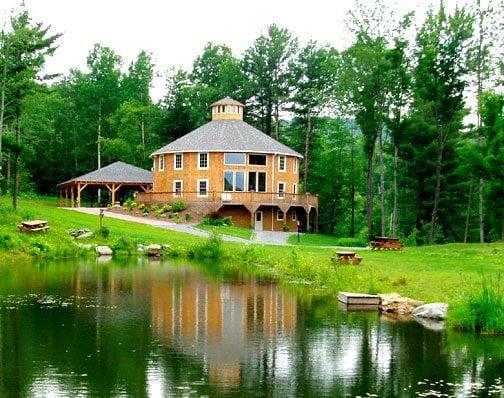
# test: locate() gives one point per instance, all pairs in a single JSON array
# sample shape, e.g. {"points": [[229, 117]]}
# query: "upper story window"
{"points": [[203, 161], [282, 163], [161, 162], [256, 181], [295, 166], [232, 158], [178, 161], [257, 160]]}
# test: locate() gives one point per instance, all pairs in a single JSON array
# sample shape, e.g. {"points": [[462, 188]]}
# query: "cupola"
{"points": [[227, 109]]}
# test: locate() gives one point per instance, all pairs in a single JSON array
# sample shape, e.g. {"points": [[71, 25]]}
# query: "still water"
{"points": [[140, 328]]}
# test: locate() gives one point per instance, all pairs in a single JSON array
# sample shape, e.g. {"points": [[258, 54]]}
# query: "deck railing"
{"points": [[266, 198]]}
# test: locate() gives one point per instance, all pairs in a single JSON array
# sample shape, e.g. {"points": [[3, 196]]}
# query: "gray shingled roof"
{"points": [[227, 101], [118, 172], [227, 136]]}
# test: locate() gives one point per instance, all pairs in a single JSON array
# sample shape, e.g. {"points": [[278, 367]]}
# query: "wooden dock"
{"points": [[356, 299]]}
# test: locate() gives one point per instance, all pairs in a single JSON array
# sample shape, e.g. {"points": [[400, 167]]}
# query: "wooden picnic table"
{"points": [[347, 258], [33, 226], [386, 243]]}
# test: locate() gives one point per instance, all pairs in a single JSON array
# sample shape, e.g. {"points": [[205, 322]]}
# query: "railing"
{"points": [[273, 198]]}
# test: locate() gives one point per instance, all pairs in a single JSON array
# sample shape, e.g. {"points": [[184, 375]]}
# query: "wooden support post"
{"points": [[72, 197], [78, 195], [113, 194]]}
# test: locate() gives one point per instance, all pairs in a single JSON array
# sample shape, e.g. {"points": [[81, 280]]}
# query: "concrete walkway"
{"points": [[277, 238], [185, 228]]}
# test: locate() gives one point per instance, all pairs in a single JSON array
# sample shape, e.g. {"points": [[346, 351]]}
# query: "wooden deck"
{"points": [[358, 298]]}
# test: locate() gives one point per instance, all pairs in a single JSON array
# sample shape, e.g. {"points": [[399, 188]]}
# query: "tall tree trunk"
{"points": [[15, 191], [382, 186], [142, 130], [395, 189], [352, 190], [2, 109], [277, 121], [468, 213], [308, 133], [437, 191], [479, 91], [370, 192], [8, 176]]}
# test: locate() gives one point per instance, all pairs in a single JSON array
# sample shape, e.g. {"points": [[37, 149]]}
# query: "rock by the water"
{"points": [[166, 247], [142, 248], [103, 251], [396, 304], [86, 246], [154, 250], [431, 324], [436, 311]]}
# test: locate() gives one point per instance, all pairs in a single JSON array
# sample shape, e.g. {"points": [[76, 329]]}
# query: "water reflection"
{"points": [[156, 329]]}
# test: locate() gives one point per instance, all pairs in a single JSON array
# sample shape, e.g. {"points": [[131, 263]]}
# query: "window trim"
{"points": [[181, 162], [162, 156], [198, 187], [234, 164], [257, 165], [281, 194], [283, 215], [285, 163], [175, 189], [208, 161]]}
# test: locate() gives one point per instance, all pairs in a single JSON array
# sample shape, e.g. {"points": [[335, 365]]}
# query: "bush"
{"points": [[212, 248], [178, 206], [217, 221], [124, 245], [482, 311], [145, 210], [165, 209], [141, 206], [130, 204], [105, 232], [154, 208], [9, 241], [188, 217], [285, 227], [351, 242]]}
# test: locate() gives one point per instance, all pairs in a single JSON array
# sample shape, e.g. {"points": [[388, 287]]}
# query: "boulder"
{"points": [[436, 311], [142, 248], [396, 304], [431, 324], [84, 235], [154, 250], [103, 251], [80, 233]]}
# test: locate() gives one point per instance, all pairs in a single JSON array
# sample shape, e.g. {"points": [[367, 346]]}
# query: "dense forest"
{"points": [[402, 131]]}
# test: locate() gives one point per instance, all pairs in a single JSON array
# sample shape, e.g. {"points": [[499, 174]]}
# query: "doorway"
{"points": [[258, 226]]}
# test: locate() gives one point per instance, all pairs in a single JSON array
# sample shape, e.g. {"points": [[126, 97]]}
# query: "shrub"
{"points": [[105, 232], [188, 217], [154, 208], [141, 206], [130, 204], [211, 248], [482, 311], [178, 206], [217, 221], [145, 210], [124, 245], [8, 241], [285, 227], [40, 246], [165, 209]]}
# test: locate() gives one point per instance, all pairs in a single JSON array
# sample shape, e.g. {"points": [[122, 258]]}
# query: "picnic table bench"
{"points": [[386, 243], [33, 226], [347, 258]]}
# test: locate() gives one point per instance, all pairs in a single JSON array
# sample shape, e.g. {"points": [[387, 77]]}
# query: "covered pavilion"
{"points": [[111, 177]]}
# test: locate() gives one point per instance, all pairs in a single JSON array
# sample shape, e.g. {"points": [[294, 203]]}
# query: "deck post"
{"points": [[72, 200], [78, 195], [113, 194]]}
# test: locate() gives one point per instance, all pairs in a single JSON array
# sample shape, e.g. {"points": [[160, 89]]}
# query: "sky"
{"points": [[175, 32]]}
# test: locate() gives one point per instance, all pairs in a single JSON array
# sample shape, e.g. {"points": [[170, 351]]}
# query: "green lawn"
{"points": [[431, 273], [324, 240], [244, 233]]}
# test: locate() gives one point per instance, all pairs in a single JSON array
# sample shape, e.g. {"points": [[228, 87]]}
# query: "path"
{"points": [[188, 229], [275, 238]]}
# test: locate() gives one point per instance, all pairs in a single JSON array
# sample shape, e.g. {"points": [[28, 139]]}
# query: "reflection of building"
{"points": [[220, 322]]}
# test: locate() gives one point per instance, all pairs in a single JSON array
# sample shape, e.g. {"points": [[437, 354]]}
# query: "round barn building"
{"points": [[229, 168]]}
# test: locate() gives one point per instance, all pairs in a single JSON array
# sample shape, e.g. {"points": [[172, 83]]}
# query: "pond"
{"points": [[148, 328]]}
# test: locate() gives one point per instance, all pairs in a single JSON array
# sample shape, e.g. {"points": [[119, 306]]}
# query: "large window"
{"points": [[177, 188], [178, 161], [257, 160], [202, 188], [257, 181], [202, 160], [234, 181], [282, 163], [161, 162], [234, 159]]}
